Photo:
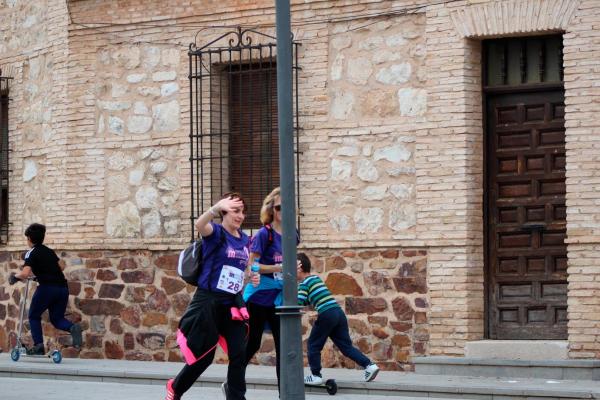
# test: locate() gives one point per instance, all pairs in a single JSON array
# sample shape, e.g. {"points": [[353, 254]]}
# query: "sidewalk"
{"points": [[261, 378], [19, 389]]}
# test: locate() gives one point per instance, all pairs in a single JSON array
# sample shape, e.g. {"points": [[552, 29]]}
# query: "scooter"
{"points": [[20, 349], [330, 385]]}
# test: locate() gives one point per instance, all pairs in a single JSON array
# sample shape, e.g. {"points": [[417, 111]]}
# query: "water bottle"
{"points": [[255, 268]]}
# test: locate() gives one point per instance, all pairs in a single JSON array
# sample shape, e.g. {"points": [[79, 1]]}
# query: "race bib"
{"points": [[231, 279], [278, 276]]}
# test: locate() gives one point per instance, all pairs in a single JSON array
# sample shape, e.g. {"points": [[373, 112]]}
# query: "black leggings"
{"points": [[258, 316], [234, 333]]}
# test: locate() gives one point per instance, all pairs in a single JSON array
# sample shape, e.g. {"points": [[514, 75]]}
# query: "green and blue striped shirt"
{"points": [[312, 290]]}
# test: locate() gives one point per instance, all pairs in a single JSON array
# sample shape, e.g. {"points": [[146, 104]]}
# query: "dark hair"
{"points": [[304, 261], [36, 233], [234, 195]]}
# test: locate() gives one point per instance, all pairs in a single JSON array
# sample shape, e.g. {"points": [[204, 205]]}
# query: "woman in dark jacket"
{"points": [[208, 317]]}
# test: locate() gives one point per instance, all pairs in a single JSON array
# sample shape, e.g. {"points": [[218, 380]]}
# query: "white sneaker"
{"points": [[371, 372], [313, 380]]}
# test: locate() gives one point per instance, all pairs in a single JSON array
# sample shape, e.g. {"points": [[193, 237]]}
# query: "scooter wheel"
{"points": [[56, 357], [331, 386], [15, 354]]}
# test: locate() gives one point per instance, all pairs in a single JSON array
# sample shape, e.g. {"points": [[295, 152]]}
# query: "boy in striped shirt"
{"points": [[331, 322]]}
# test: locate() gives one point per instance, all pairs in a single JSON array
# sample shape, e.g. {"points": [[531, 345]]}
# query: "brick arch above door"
{"points": [[497, 19]]}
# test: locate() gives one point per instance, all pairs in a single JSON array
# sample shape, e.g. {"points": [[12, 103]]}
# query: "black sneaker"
{"points": [[36, 350], [76, 335]]}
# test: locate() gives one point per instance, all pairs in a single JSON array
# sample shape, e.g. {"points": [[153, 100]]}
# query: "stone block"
{"points": [[359, 305], [343, 284], [99, 307], [518, 349], [402, 309]]}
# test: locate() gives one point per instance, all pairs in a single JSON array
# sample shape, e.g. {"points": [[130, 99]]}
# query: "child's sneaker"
{"points": [[76, 335], [36, 350], [171, 395], [371, 372], [313, 380]]}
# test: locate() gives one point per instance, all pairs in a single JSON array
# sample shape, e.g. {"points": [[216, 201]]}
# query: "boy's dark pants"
{"points": [[332, 323], [51, 298]]}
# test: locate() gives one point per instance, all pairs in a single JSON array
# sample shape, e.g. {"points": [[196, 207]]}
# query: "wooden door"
{"points": [[526, 216]]}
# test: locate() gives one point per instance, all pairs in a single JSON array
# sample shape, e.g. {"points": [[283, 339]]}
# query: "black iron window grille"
{"points": [[4, 171], [510, 62], [234, 142]]}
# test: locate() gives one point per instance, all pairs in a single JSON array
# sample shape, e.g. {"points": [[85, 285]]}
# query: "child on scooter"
{"points": [[331, 323], [52, 293]]}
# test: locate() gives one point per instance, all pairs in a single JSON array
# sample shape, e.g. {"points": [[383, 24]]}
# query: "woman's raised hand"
{"points": [[228, 204]]}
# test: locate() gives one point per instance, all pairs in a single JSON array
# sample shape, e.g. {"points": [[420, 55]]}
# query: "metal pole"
{"points": [[291, 374], [22, 314]]}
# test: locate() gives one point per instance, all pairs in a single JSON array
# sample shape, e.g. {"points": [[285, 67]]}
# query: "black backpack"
{"points": [[191, 260]]}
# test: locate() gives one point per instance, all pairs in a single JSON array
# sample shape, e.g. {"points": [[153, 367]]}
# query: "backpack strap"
{"points": [[222, 242], [271, 235]]}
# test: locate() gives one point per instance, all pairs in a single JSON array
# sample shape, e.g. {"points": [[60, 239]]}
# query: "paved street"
{"points": [[48, 389]]}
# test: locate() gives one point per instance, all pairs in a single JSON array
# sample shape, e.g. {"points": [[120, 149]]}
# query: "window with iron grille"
{"points": [[512, 62], [234, 142], [4, 171]]}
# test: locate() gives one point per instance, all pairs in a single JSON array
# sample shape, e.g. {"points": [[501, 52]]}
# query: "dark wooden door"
{"points": [[526, 216]]}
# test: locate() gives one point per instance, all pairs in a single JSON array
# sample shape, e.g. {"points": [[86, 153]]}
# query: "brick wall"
{"points": [[582, 96], [449, 185]]}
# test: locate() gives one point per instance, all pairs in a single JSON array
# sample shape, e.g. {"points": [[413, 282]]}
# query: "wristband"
{"points": [[213, 212]]}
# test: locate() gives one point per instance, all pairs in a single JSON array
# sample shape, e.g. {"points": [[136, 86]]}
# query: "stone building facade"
{"points": [[392, 165]]}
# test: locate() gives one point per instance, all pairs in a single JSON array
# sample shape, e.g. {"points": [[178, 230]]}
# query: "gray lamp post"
{"points": [[292, 383]]}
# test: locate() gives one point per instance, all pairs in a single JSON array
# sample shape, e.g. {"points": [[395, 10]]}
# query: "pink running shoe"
{"points": [[171, 395]]}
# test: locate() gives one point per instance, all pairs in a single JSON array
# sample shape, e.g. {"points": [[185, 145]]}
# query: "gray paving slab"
{"points": [[501, 362], [549, 369]]}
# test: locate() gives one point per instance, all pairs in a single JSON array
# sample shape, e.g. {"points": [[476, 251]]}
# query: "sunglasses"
{"points": [[277, 207]]}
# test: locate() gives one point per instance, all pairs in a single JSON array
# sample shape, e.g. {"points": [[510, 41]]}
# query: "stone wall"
{"points": [[385, 296], [33, 51], [129, 304], [376, 79], [132, 146], [362, 95]]}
